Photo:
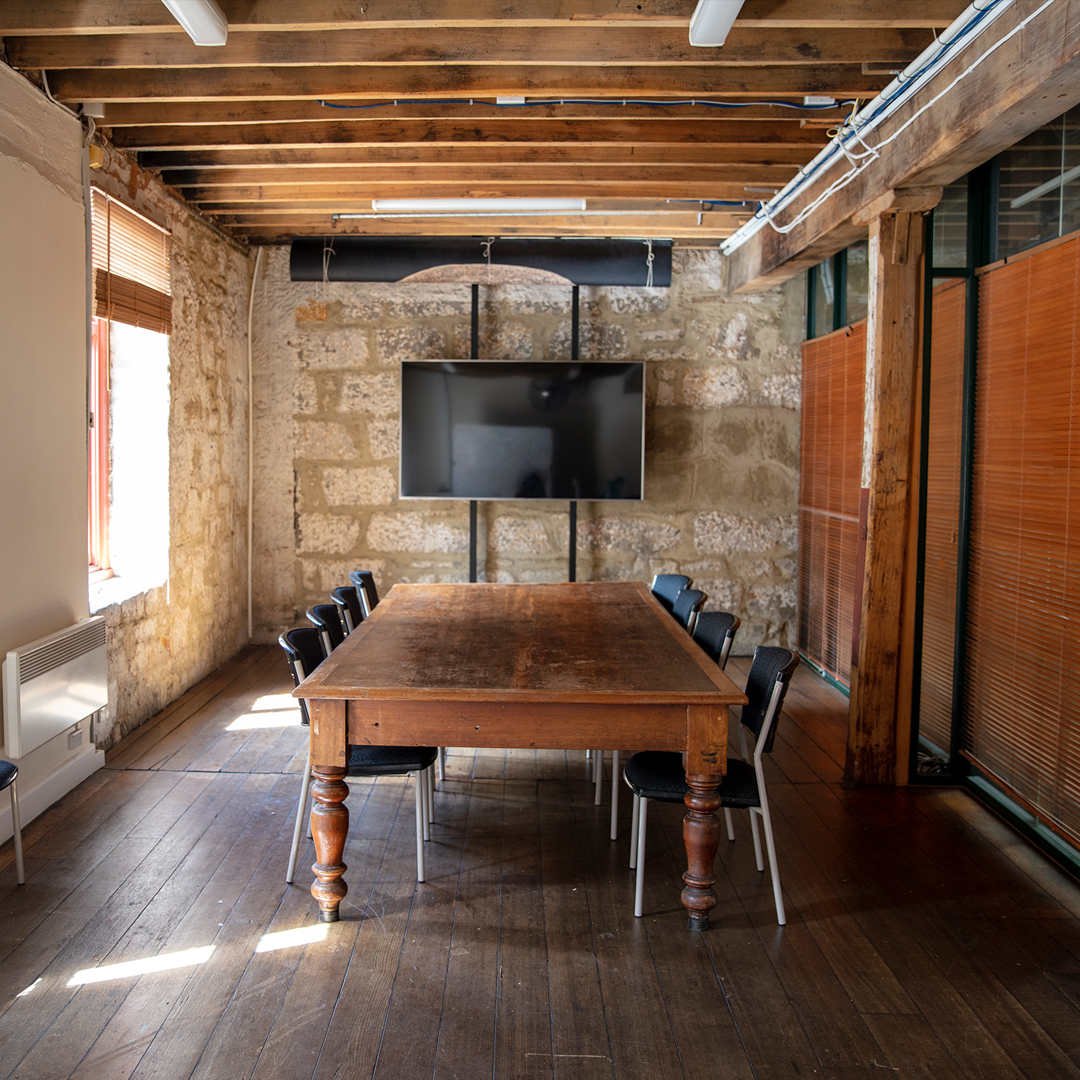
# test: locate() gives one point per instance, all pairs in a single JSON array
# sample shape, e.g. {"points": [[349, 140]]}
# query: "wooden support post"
{"points": [[892, 354]]}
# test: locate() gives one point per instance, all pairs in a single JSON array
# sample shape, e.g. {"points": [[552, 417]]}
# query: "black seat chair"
{"points": [[348, 602], [715, 631], [364, 580], [8, 772], [303, 649], [660, 775], [686, 607], [325, 618], [665, 587]]}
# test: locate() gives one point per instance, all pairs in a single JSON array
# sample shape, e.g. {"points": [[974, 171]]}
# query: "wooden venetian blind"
{"points": [[1021, 707], [942, 512], [830, 457], [131, 266]]}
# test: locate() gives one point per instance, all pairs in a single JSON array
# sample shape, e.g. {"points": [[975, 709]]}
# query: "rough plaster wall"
{"points": [[721, 440], [164, 640]]}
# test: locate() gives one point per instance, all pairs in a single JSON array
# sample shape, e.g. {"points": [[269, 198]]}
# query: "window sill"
{"points": [[118, 588]]}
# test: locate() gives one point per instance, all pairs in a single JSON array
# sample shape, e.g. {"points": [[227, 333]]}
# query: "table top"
{"points": [[602, 642]]}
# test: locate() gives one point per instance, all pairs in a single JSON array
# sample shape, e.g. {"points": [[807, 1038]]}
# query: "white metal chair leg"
{"points": [[639, 882], [770, 845], [442, 763], [614, 794], [421, 779], [633, 833], [304, 784], [421, 825], [728, 821], [757, 838], [598, 774], [16, 826]]}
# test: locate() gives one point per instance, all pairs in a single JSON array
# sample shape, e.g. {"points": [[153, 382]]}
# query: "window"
{"points": [[127, 491]]}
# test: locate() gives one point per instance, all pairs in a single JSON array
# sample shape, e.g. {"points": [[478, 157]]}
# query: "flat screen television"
{"points": [[504, 429]]}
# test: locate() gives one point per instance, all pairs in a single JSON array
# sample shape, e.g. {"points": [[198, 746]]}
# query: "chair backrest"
{"points": [[327, 619], [665, 587], [714, 631], [304, 651], [364, 580], [766, 687], [687, 605], [347, 599]]}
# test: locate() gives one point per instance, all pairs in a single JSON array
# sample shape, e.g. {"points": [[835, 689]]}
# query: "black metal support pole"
{"points": [[574, 323], [573, 540], [474, 354]]}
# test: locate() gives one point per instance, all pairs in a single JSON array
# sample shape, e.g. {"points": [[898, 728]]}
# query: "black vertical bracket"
{"points": [[575, 323], [474, 354]]}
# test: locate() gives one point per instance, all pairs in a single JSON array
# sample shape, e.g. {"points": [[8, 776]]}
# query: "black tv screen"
{"points": [[501, 429]]}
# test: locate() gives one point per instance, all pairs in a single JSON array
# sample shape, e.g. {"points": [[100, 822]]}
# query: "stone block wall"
{"points": [[722, 393], [162, 641]]}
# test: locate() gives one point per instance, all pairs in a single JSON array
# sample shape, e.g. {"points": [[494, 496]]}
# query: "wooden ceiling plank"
{"points": [[505, 133], [582, 46], [335, 83], [32, 17], [157, 113], [1040, 69]]}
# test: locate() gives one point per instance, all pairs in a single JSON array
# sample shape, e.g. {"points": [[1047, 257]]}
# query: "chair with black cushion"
{"points": [[660, 775], [665, 587], [348, 601], [8, 772], [715, 631], [364, 580], [303, 649], [686, 607], [326, 619]]}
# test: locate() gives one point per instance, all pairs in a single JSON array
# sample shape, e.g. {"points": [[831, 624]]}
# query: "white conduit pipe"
{"points": [[251, 446], [850, 142]]}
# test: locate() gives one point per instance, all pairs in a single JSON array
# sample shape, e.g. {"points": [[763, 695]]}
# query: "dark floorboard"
{"points": [[924, 937]]}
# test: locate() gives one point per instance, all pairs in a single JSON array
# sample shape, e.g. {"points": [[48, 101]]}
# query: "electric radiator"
{"points": [[53, 683]]}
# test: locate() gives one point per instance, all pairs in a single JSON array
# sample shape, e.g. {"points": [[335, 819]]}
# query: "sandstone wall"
{"points": [[721, 440], [162, 641]]}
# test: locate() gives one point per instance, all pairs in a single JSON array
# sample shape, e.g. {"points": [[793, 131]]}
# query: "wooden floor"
{"points": [[924, 938]]}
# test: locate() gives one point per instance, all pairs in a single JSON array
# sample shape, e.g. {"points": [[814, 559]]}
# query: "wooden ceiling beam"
{"points": [[32, 17], [625, 176], [1027, 79], [338, 197], [143, 114], [255, 160], [452, 80], [505, 133], [180, 163], [584, 46]]}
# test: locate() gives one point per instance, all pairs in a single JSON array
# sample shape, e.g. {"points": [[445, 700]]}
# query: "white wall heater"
{"points": [[53, 683]]}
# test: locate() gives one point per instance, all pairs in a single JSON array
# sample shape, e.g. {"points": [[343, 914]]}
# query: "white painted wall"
{"points": [[43, 321]]}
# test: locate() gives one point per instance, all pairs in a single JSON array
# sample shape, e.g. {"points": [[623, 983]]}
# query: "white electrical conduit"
{"points": [[912, 78], [251, 446]]}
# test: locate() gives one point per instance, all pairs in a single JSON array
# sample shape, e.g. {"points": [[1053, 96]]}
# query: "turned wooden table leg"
{"points": [[701, 834], [329, 828]]}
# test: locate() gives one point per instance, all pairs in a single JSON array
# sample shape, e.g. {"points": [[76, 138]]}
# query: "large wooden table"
{"points": [[572, 666]]}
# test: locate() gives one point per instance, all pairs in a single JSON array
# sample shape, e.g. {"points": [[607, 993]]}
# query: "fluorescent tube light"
{"points": [[1045, 189], [203, 20], [450, 206], [712, 21]]}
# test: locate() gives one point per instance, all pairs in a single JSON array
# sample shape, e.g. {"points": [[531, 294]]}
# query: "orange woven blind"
{"points": [[942, 512], [1021, 714], [830, 457], [131, 266]]}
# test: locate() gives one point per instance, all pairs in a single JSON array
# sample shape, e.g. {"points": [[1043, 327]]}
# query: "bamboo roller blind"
{"points": [[942, 512], [131, 266], [830, 459], [1021, 713]]}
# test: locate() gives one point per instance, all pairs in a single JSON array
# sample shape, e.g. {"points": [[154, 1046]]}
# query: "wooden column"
{"points": [[893, 351]]}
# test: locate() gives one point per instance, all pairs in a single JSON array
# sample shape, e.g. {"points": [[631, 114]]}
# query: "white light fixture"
{"points": [[712, 21], [203, 20], [490, 206]]}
